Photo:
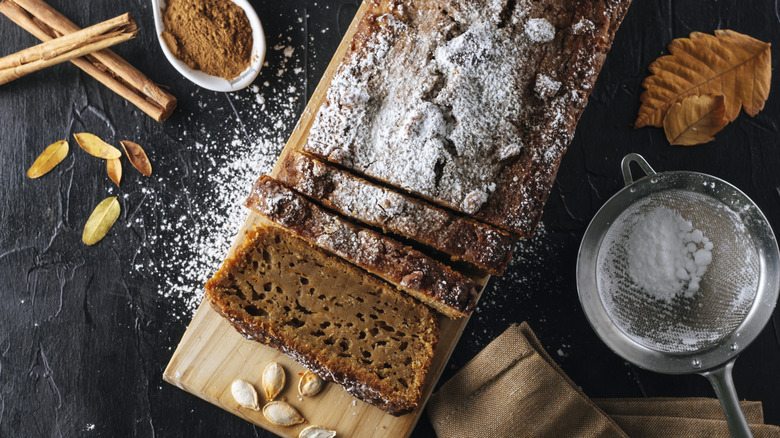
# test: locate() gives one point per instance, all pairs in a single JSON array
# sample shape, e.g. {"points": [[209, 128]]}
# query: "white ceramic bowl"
{"points": [[207, 81]]}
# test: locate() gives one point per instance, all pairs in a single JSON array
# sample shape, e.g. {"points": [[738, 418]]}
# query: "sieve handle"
{"points": [[723, 384], [626, 166]]}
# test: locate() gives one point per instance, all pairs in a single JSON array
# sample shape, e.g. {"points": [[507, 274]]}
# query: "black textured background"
{"points": [[84, 337]]}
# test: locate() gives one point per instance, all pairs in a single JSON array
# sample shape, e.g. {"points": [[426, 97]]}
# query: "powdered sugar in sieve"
{"points": [[685, 323]]}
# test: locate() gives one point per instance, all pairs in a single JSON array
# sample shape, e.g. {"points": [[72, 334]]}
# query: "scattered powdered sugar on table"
{"points": [[667, 257], [197, 208]]}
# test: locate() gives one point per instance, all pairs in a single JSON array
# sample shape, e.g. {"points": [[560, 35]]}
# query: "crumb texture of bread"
{"points": [[461, 238], [470, 104], [446, 290], [345, 326]]}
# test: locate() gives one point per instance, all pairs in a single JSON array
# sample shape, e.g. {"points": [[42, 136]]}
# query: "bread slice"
{"points": [[468, 103], [342, 324], [463, 239], [450, 292]]}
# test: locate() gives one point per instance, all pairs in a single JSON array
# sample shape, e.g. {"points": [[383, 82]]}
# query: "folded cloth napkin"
{"points": [[685, 407], [513, 388], [683, 417], [510, 390]]}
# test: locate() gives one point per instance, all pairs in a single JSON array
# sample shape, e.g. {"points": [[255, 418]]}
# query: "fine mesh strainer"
{"points": [[701, 334]]}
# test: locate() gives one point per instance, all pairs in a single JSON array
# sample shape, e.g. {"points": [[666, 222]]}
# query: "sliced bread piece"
{"points": [[450, 292], [463, 239], [342, 324]]}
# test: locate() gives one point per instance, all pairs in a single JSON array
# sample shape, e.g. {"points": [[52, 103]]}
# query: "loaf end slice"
{"points": [[434, 283], [461, 238], [345, 326]]}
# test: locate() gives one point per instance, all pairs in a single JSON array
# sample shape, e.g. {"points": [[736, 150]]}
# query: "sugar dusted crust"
{"points": [[233, 293], [463, 239], [450, 292], [470, 104]]}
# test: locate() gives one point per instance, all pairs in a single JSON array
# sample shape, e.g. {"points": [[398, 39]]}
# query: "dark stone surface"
{"points": [[84, 338]]}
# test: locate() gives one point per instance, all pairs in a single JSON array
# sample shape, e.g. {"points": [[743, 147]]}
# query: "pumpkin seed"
{"points": [[49, 158], [245, 394], [317, 432], [273, 380], [137, 157], [282, 414], [310, 384], [114, 169], [93, 145], [101, 220]]}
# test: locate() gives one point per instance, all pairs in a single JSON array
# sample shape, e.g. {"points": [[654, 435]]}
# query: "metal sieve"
{"points": [[701, 334]]}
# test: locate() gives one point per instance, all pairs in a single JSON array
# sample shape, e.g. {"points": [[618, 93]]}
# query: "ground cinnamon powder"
{"points": [[213, 36]]}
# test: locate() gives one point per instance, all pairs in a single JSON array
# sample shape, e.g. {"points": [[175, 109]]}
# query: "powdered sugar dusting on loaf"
{"points": [[546, 86], [480, 86], [539, 30], [427, 125], [583, 26], [440, 103]]}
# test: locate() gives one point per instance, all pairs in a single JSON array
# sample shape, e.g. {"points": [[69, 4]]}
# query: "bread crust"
{"points": [[463, 239]]}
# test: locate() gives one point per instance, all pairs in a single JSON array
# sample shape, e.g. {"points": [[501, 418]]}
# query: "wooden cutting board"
{"points": [[211, 354]]}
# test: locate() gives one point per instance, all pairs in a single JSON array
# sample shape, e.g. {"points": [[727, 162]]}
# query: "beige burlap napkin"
{"points": [[681, 417], [510, 390], [513, 388], [684, 407]]}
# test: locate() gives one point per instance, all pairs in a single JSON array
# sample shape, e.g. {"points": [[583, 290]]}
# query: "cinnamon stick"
{"points": [[65, 48], [45, 23]]}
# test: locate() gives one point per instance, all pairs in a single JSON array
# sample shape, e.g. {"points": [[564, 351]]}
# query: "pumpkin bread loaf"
{"points": [[468, 104], [450, 292], [341, 323]]}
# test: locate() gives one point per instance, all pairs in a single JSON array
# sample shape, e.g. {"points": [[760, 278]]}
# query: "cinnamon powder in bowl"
{"points": [[217, 44], [213, 36]]}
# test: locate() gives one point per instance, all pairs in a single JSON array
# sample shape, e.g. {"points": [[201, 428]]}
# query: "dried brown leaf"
{"points": [[137, 157], [101, 220], [49, 158], [730, 64], [695, 120], [114, 169], [93, 145]]}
